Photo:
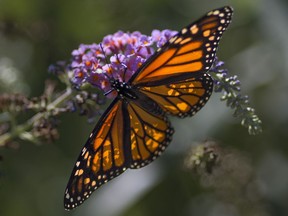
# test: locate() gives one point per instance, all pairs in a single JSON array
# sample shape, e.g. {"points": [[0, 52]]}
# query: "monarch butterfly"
{"points": [[134, 130]]}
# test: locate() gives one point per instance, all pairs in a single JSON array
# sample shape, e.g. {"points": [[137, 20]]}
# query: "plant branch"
{"points": [[17, 131]]}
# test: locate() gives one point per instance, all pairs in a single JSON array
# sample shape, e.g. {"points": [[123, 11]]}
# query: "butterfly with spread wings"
{"points": [[135, 130]]}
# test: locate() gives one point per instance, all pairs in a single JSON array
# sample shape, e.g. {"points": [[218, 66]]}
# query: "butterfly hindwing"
{"points": [[190, 52], [182, 98], [150, 135]]}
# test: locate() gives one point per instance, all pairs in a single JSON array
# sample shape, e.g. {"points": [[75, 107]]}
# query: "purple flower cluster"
{"points": [[118, 56]]}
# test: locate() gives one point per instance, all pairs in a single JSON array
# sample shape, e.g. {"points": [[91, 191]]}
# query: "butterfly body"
{"points": [[123, 89], [135, 130]]}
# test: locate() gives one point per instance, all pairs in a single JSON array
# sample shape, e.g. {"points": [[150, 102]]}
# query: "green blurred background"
{"points": [[37, 33]]}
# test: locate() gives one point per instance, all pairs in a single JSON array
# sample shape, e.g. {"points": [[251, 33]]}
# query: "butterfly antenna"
{"points": [[107, 62], [125, 68], [111, 79], [108, 92], [124, 74]]}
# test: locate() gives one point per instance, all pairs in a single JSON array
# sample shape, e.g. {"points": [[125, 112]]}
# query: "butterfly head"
{"points": [[123, 89]]}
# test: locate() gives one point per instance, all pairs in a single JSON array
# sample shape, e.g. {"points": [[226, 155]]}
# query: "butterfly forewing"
{"points": [[190, 52], [102, 158]]}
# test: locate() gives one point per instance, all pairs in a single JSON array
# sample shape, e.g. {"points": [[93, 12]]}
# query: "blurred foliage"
{"points": [[34, 34]]}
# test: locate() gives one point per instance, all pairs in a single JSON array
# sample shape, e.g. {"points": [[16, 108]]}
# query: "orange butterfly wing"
{"points": [[190, 52], [182, 98], [175, 76], [101, 158], [150, 134], [126, 136]]}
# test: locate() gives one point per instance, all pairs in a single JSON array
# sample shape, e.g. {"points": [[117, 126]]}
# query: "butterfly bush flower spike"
{"points": [[230, 86], [119, 55]]}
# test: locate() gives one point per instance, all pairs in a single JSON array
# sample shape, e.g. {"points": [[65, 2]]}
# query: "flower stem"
{"points": [[17, 131]]}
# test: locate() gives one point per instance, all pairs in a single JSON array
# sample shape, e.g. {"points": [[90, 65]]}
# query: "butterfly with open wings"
{"points": [[134, 130]]}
